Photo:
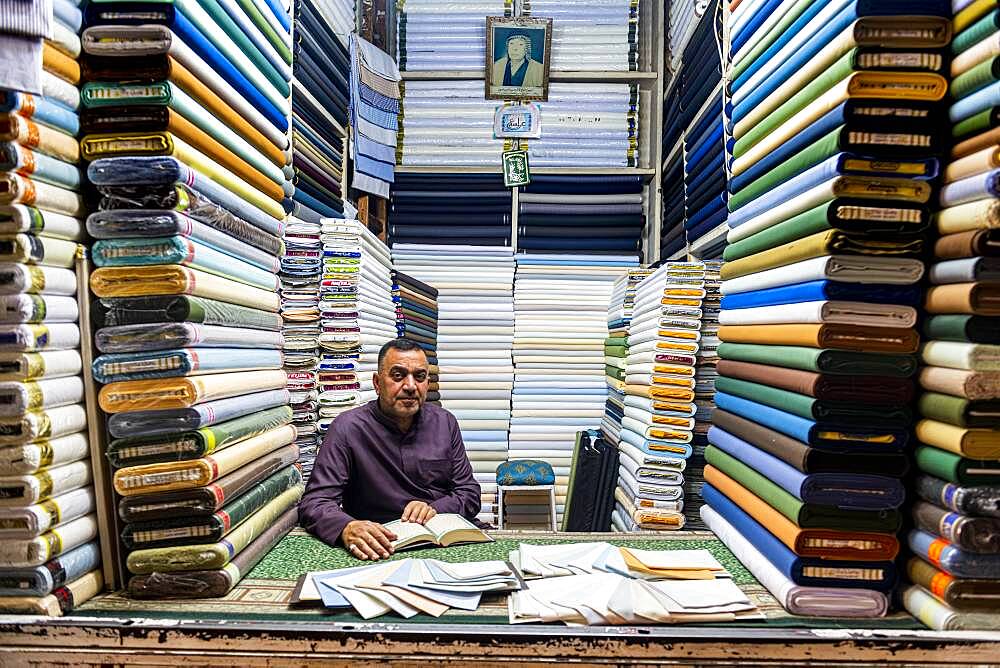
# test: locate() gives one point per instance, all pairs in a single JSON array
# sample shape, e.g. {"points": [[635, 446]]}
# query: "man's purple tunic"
{"points": [[368, 470]]}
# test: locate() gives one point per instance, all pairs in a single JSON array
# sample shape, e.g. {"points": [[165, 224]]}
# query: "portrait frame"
{"points": [[533, 39]]}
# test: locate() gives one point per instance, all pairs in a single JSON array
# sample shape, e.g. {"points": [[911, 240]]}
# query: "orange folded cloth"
{"points": [[839, 337], [964, 298]]}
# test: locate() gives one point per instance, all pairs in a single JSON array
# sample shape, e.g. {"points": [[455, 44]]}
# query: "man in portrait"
{"points": [[516, 67]]}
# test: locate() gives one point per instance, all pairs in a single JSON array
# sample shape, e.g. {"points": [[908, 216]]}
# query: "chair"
{"points": [[526, 475]]}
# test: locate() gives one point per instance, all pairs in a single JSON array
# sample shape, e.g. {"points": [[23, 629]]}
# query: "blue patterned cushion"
{"points": [[525, 472]]}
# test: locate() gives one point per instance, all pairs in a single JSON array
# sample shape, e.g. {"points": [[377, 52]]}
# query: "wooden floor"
{"points": [[135, 642]]}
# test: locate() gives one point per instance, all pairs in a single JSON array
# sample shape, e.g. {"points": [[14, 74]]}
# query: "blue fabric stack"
{"points": [[49, 554], [452, 209], [832, 113], [602, 214], [375, 108]]}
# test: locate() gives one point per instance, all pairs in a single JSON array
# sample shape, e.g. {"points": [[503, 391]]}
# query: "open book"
{"points": [[444, 530]]}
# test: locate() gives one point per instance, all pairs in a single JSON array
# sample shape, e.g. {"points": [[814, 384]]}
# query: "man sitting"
{"points": [[393, 458]]}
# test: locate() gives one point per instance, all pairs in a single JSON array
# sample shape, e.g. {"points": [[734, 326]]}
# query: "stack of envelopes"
{"points": [[475, 287], [189, 246], [560, 324], [375, 108], [597, 583], [659, 416], [416, 319], [956, 535], [321, 94], [444, 36], [409, 587], [705, 374], [581, 214], [833, 147], [590, 36], [49, 554], [301, 268], [616, 350], [358, 316]]}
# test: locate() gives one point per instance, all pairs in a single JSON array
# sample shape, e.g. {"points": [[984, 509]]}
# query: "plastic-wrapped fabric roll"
{"points": [[120, 367], [17, 189], [35, 366], [16, 128], [29, 489], [140, 338], [184, 252], [200, 530], [186, 474], [121, 311], [192, 445], [36, 551], [29, 521], [214, 555], [154, 422], [229, 234], [16, 278], [974, 534], [31, 249], [215, 583], [32, 338], [16, 158], [186, 392], [40, 109], [959, 593], [19, 218], [42, 580], [983, 500], [204, 501], [35, 309], [18, 398], [36, 425], [952, 560], [60, 601], [178, 280], [18, 459]]}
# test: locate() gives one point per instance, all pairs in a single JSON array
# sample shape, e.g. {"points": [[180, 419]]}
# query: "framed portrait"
{"points": [[518, 52]]}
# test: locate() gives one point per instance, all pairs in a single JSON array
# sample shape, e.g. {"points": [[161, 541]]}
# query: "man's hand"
{"points": [[367, 540], [418, 511]]}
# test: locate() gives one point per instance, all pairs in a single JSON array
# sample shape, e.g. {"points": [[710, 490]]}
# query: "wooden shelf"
{"points": [[433, 75], [561, 171]]}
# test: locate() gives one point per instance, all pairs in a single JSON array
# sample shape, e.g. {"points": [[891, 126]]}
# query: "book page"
{"points": [[407, 532], [448, 522]]}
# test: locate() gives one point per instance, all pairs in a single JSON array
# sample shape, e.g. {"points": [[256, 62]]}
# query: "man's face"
{"points": [[516, 49], [401, 382]]}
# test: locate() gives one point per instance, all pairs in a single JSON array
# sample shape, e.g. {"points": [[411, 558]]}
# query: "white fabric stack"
{"points": [[619, 318], [475, 336], [561, 307], [358, 316], [444, 36], [683, 19], [590, 35]]}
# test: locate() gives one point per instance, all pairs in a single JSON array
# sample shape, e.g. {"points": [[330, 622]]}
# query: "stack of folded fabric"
{"points": [[586, 125], [658, 423], [358, 316], [616, 350], [189, 246], [416, 319], [475, 337], [375, 109], [581, 214], [954, 572], [440, 35], [595, 37], [560, 324], [705, 374], [704, 168], [452, 209], [320, 100], [834, 147], [301, 267], [672, 237], [49, 556]]}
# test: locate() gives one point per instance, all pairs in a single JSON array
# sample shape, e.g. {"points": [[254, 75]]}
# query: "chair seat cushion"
{"points": [[525, 472]]}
